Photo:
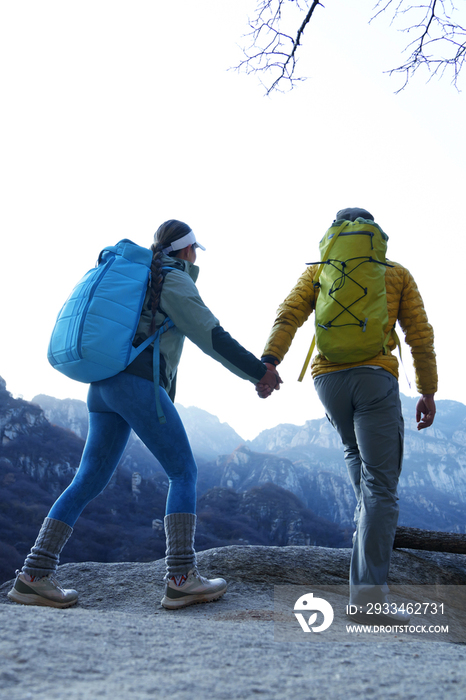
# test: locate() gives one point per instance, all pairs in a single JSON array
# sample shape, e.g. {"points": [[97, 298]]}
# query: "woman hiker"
{"points": [[127, 401]]}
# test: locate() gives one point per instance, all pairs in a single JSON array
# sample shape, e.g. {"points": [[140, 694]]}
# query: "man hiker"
{"points": [[358, 296]]}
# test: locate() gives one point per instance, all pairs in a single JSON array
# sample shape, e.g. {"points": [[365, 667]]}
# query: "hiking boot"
{"points": [[43, 591], [193, 588]]}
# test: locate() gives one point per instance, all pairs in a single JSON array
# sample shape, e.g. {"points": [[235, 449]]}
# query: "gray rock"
{"points": [[118, 642]]}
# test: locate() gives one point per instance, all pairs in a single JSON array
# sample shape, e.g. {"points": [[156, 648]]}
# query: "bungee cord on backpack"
{"points": [[338, 285]]}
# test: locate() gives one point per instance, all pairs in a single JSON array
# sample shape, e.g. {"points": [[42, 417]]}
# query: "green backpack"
{"points": [[351, 310]]}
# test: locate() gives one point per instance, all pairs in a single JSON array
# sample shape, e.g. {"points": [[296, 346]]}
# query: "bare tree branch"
{"points": [[273, 51], [440, 43]]}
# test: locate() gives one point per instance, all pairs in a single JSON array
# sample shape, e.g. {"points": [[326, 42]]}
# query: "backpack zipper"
{"points": [[356, 233]]}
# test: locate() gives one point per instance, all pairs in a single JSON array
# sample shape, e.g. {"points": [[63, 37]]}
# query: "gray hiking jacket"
{"points": [[180, 301]]}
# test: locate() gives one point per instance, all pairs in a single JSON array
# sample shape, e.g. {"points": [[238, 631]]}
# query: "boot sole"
{"points": [[171, 604], [29, 599]]}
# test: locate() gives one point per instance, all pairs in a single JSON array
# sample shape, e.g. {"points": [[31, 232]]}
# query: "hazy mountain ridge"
{"points": [[207, 435], [38, 460], [432, 487], [308, 461], [287, 486], [27, 441]]}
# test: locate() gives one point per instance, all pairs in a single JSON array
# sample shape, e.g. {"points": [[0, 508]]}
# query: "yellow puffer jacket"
{"points": [[405, 305]]}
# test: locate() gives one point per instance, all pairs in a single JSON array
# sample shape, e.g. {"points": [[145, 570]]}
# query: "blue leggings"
{"points": [[116, 406]]}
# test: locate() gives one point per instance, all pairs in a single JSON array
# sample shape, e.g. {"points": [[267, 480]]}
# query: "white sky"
{"points": [[118, 115]]}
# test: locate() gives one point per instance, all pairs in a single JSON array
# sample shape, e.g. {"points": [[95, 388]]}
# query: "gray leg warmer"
{"points": [[44, 556], [180, 556]]}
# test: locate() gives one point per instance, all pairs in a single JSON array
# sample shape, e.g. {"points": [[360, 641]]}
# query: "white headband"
{"points": [[180, 243]]}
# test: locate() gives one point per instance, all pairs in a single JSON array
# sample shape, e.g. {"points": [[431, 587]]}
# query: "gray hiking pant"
{"points": [[363, 404]]}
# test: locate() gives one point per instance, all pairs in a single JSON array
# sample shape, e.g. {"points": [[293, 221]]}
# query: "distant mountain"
{"points": [[66, 413], [308, 461], [322, 486], [208, 437], [28, 443], [287, 486], [268, 513], [125, 523], [432, 487], [72, 414]]}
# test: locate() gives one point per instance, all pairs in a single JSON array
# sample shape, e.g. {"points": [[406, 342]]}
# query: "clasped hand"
{"points": [[270, 381]]}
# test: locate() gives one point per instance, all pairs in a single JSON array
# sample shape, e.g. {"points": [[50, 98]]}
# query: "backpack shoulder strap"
{"points": [[315, 281], [155, 338], [168, 323]]}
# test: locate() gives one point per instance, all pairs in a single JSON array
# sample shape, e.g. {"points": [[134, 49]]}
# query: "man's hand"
{"points": [[425, 411], [270, 381]]}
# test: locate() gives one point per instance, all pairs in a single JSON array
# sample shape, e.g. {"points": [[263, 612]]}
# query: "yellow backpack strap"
{"points": [[308, 359], [315, 280]]}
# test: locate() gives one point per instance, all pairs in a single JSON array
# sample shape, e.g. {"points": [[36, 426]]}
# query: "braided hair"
{"points": [[167, 232]]}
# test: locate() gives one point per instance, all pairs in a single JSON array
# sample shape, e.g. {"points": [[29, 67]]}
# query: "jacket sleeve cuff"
{"points": [[270, 359]]}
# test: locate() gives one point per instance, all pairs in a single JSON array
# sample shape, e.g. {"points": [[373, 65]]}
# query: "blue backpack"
{"points": [[94, 331]]}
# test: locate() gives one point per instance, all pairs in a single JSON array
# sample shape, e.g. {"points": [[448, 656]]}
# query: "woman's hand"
{"points": [[270, 381]]}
